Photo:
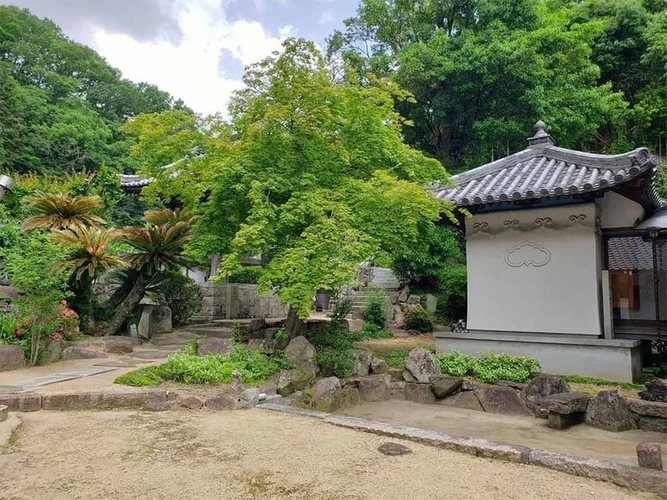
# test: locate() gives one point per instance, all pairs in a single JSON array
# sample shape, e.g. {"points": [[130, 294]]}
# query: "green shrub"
{"points": [[417, 320], [457, 364], [183, 296], [489, 367], [335, 361], [375, 309], [371, 331], [254, 367], [149, 376]]}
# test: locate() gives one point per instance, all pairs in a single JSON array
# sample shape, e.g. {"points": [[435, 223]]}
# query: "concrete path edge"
{"points": [[633, 478]]}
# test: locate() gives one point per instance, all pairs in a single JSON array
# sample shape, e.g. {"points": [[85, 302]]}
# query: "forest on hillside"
{"points": [[321, 159], [481, 73]]}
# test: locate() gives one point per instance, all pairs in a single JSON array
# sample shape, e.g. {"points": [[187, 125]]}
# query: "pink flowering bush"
{"points": [[65, 324]]}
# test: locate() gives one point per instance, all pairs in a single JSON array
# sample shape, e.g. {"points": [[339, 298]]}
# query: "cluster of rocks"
{"points": [[12, 357]]}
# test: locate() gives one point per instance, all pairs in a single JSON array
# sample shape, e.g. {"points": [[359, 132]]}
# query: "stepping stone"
{"points": [[150, 355], [63, 377], [116, 364], [394, 449]]}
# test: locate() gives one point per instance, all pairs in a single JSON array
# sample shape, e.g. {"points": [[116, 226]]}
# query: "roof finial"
{"points": [[541, 137]]}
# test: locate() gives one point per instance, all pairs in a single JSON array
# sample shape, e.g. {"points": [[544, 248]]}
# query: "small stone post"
{"points": [[649, 456]]}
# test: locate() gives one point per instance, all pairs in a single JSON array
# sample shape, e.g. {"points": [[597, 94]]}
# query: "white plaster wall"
{"points": [[617, 211], [558, 296]]}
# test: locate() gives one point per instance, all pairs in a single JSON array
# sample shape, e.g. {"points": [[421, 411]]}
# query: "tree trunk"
{"points": [[85, 295], [294, 325], [129, 304]]}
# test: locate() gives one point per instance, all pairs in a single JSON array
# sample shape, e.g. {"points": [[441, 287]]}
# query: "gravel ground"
{"points": [[252, 454]]}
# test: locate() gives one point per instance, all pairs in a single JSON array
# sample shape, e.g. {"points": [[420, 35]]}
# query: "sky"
{"points": [[194, 49]]}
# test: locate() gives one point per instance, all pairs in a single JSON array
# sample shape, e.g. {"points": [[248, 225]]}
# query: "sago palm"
{"points": [[60, 211], [91, 254], [156, 246]]}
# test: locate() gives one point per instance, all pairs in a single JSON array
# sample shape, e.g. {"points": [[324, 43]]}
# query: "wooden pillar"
{"points": [[607, 317]]}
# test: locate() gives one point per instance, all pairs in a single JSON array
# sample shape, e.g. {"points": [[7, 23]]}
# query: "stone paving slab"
{"points": [[11, 389], [62, 377], [150, 354]]}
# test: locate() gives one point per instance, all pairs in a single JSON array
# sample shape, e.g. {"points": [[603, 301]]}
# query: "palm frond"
{"points": [[60, 211], [91, 250]]}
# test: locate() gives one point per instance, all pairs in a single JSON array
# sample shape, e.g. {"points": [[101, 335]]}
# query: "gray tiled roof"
{"points": [[629, 253], [134, 181], [545, 171]]}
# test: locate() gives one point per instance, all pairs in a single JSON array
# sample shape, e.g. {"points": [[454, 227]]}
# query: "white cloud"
{"points": [[327, 16], [190, 70]]}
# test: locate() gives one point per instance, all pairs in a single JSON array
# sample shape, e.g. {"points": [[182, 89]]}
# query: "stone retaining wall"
{"points": [[250, 304]]}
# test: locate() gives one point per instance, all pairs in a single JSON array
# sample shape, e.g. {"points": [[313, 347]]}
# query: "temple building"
{"points": [[566, 257]]}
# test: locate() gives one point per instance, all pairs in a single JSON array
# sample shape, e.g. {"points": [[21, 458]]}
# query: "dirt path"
{"points": [[252, 454]]}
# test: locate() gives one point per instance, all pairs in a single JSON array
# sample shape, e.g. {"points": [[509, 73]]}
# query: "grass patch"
{"points": [[370, 331], [396, 359], [489, 367], [143, 377], [578, 379], [213, 369]]}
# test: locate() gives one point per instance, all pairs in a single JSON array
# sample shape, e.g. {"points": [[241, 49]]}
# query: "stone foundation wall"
{"points": [[249, 302]]}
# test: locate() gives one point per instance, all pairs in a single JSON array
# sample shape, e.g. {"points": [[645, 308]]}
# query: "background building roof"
{"points": [[546, 171]]}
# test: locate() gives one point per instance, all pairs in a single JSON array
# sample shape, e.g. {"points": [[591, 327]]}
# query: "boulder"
{"points": [[118, 345], [237, 382], [191, 403], [268, 388], [406, 376], [396, 374], [422, 365], [517, 386], [213, 345], [54, 350], [161, 319], [566, 409], [294, 380], [249, 398], [656, 390], [567, 403], [652, 424], [11, 358], [262, 344], [610, 411], [361, 361], [350, 397], [327, 394], [414, 300], [222, 402], [468, 385], [465, 400], [301, 354], [378, 366], [444, 385], [374, 387], [648, 408], [649, 456], [81, 353], [419, 393], [159, 406], [399, 318], [499, 399], [540, 387], [398, 390]]}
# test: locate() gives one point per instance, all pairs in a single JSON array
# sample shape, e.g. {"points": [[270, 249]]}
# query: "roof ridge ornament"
{"points": [[541, 138]]}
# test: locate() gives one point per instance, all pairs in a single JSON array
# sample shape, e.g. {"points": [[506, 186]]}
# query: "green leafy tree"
{"points": [[482, 71], [318, 180]]}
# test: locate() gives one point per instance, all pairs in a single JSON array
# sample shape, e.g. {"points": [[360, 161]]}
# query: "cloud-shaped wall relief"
{"points": [[528, 254]]}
